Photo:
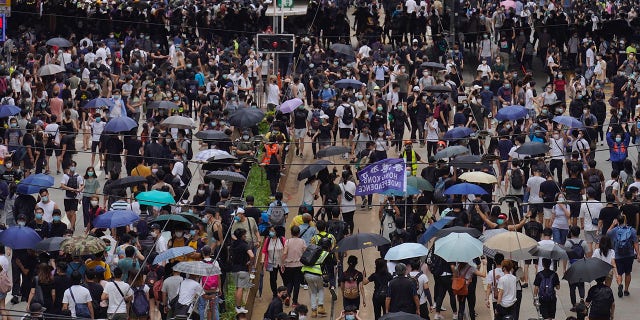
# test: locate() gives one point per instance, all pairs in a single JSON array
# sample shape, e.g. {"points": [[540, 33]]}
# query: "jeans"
{"points": [[378, 306], [560, 235], [442, 287], [572, 291], [293, 277], [316, 290], [202, 304]]}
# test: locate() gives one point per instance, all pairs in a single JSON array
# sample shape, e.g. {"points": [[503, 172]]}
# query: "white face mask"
{"points": [[200, 192], [94, 203]]}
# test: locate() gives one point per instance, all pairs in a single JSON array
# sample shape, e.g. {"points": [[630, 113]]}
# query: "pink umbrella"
{"points": [[290, 105], [508, 4]]}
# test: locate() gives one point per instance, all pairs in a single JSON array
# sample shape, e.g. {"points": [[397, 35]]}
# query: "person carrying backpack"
{"points": [[515, 182], [278, 211], [625, 244], [576, 250], [344, 120], [351, 285], [544, 290]]}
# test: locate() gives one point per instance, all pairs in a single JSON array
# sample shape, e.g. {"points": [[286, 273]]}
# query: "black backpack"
{"points": [[347, 115], [186, 174], [337, 228], [595, 183], [311, 255], [576, 251], [517, 179], [436, 264]]}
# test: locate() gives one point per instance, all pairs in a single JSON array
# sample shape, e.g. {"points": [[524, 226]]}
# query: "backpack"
{"points": [[438, 193], [72, 183], [277, 217], [82, 309], [517, 179], [595, 183], [546, 291], [186, 174], [347, 115], [300, 115], [189, 152], [436, 264], [419, 289], [337, 229], [152, 276], [157, 288], [140, 305], [310, 255], [624, 242], [5, 282], [628, 181], [350, 290], [608, 190], [576, 251], [315, 119]]}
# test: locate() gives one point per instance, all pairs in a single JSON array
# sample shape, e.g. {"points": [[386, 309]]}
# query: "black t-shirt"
{"points": [[461, 219], [69, 141], [546, 273], [42, 229], [601, 298], [533, 229], [402, 290], [239, 256], [572, 187], [60, 284], [630, 210], [57, 230], [133, 149], [300, 118], [331, 192], [253, 212], [607, 215], [114, 148], [380, 283], [550, 189]]}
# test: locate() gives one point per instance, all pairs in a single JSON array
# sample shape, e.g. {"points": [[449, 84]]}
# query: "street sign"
{"points": [[284, 4]]}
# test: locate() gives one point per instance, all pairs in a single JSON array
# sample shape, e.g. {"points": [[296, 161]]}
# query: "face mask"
{"points": [[200, 192], [402, 70], [111, 36], [380, 134], [9, 165], [94, 203], [272, 234], [500, 221], [154, 171], [620, 113], [399, 107], [14, 125], [326, 86], [38, 216], [359, 96], [579, 97], [56, 218], [72, 169], [507, 86], [508, 126], [98, 119], [179, 234], [560, 110], [349, 317], [236, 218], [556, 136], [618, 140], [116, 97], [150, 95], [549, 89], [192, 232], [214, 123], [486, 87], [45, 199], [348, 73], [21, 223], [425, 74], [188, 65], [107, 248], [90, 173], [379, 109], [545, 111], [561, 200]]}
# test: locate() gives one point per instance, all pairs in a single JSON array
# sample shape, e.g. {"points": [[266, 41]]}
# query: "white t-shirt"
{"points": [[81, 295], [340, 114], [590, 210], [422, 280], [346, 205], [611, 255], [507, 283], [188, 291], [489, 280], [4, 263], [161, 244], [116, 305], [557, 148], [96, 130], [178, 171], [534, 185]]}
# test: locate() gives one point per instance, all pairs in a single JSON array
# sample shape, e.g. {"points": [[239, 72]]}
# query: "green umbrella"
{"points": [[419, 183], [155, 198], [172, 222], [193, 218]]}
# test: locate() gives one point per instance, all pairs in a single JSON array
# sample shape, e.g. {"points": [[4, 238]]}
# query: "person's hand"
{"points": [[488, 303]]}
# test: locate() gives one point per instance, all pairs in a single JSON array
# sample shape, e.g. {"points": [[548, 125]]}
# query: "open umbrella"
{"points": [[348, 83], [82, 245], [50, 69], [214, 154], [458, 247], [155, 198], [229, 176], [115, 218], [465, 188], [531, 148], [452, 151], [172, 222], [433, 65], [332, 151], [59, 42], [162, 105], [99, 103], [8, 111], [586, 270], [312, 169], [129, 181], [554, 252], [18, 237], [179, 122], [511, 113], [192, 217], [457, 229], [345, 49], [570, 122], [433, 229], [33, 183], [406, 250], [197, 268], [514, 245], [399, 193], [173, 253], [246, 117], [478, 177], [50, 244], [469, 162], [211, 135], [458, 133], [400, 316], [487, 234], [419, 183], [360, 241], [120, 124], [437, 89], [290, 105]]}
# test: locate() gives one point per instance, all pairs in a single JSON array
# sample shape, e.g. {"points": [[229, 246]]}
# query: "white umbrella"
{"points": [[50, 69]]}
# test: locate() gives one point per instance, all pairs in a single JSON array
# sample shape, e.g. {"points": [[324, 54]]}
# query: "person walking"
{"points": [[291, 267], [119, 294], [466, 272], [313, 276], [351, 285], [625, 244], [507, 286], [544, 291], [243, 257], [605, 252], [600, 301], [380, 279], [576, 250], [402, 295], [276, 305], [78, 298], [273, 250]]}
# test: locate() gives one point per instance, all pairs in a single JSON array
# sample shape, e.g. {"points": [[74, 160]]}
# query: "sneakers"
{"points": [[15, 300], [305, 287], [619, 291], [241, 310], [626, 293], [438, 317]]}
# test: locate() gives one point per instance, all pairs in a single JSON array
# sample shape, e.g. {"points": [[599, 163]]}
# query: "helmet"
{"points": [[407, 142]]}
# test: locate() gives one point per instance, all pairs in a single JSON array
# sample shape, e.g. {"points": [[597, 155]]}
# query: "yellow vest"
{"points": [[316, 268], [414, 161]]}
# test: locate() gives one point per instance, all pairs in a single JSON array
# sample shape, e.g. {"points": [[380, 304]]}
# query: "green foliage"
{"points": [[229, 300], [263, 126], [258, 186]]}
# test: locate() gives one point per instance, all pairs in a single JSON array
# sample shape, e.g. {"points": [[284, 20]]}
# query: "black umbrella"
{"points": [[531, 148], [311, 170], [332, 151], [211, 135], [246, 117], [437, 88], [587, 270], [348, 83], [468, 162], [129, 181], [345, 49], [554, 252], [50, 244], [433, 65], [226, 176], [447, 231], [172, 222], [400, 316], [59, 42], [218, 163], [360, 241], [163, 105]]}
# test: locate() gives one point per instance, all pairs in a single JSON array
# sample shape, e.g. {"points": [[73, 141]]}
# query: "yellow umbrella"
{"points": [[478, 177], [514, 245]]}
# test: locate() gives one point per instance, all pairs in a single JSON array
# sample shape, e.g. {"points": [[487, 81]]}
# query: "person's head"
{"points": [[321, 225], [117, 273], [76, 277], [498, 258], [605, 245], [622, 219], [611, 199], [44, 195], [401, 269], [574, 231], [507, 266], [240, 233], [352, 261], [38, 213], [282, 292], [295, 231], [350, 312], [57, 215], [381, 266], [546, 233], [546, 263], [129, 251]]}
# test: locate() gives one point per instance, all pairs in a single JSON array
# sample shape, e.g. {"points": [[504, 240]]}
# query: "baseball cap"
{"points": [[502, 216], [155, 226]]}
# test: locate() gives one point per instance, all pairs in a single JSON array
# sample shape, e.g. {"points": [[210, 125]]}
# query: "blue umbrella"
{"points": [[458, 133], [33, 183], [8, 110], [120, 124], [99, 103], [173, 253], [348, 83], [433, 229], [570, 122], [115, 218], [18, 237], [511, 113], [465, 188], [406, 250]]}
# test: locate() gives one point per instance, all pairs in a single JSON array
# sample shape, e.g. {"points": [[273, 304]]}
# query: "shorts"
{"points": [[345, 133], [530, 261], [590, 236], [535, 208], [624, 265], [548, 309], [574, 208], [94, 146], [299, 133], [242, 279], [70, 204], [548, 212], [58, 152]]}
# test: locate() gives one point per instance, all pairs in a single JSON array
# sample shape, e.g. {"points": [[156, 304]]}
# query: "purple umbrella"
{"points": [[290, 105]]}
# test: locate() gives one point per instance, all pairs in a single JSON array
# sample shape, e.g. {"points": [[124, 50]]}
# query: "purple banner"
{"points": [[382, 176]]}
